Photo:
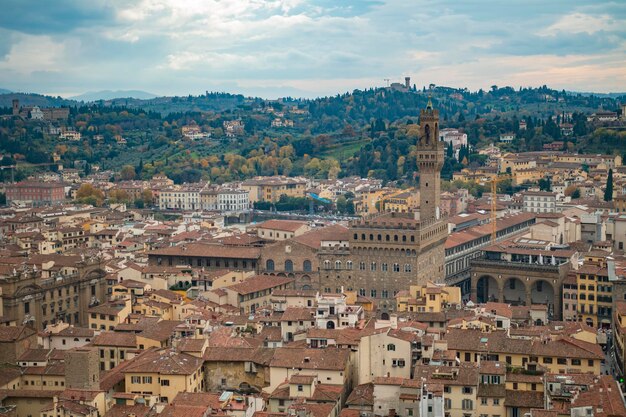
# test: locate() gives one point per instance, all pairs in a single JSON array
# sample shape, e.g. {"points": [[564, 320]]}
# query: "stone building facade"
{"points": [[31, 299], [389, 252], [291, 258]]}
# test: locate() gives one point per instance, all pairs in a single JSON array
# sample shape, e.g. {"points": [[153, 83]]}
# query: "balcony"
{"points": [[518, 266]]}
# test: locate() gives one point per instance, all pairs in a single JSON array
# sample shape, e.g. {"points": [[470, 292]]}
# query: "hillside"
{"points": [[367, 133], [34, 100]]}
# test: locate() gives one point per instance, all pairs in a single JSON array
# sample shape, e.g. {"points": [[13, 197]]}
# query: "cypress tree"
{"points": [[608, 192]]}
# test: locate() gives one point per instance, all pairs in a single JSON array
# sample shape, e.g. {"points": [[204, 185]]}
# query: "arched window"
{"points": [[337, 264], [288, 265], [384, 267], [373, 266], [387, 238], [362, 266], [396, 267], [371, 237], [395, 238], [380, 237], [269, 264], [403, 238], [327, 264], [306, 266], [391, 347], [348, 264], [407, 267], [362, 236], [356, 236]]}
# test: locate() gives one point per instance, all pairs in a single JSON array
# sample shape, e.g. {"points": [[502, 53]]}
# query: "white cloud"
{"points": [[178, 46], [34, 53], [583, 23]]}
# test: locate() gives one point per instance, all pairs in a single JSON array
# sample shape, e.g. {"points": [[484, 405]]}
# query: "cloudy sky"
{"points": [[308, 47]]}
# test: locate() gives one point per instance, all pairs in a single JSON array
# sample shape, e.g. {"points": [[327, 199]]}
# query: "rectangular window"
{"points": [[135, 380], [147, 380]]}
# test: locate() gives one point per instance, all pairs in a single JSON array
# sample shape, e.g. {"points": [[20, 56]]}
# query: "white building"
{"points": [[224, 199], [36, 113], [333, 312], [507, 137], [70, 135], [179, 198], [455, 137], [233, 200], [539, 201]]}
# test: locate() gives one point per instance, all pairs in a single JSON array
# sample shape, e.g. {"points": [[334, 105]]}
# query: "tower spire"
{"points": [[430, 161]]}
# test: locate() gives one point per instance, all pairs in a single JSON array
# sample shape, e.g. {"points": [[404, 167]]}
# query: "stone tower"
{"points": [[16, 107], [82, 368], [430, 157]]}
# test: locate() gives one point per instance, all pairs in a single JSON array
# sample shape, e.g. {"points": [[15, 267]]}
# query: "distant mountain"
{"points": [[587, 94], [110, 95], [5, 91]]}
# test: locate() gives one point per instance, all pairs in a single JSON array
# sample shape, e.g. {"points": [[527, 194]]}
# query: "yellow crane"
{"points": [[494, 200]]}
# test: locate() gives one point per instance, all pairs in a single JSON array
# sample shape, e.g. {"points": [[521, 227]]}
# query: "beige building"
{"points": [[281, 229], [164, 373], [113, 348], [108, 315], [270, 189], [562, 355], [431, 298], [332, 366], [253, 293], [385, 352]]}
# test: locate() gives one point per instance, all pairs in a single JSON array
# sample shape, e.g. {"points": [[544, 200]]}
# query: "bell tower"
{"points": [[430, 161]]}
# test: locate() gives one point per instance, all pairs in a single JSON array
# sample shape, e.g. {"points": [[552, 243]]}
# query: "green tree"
{"points": [[545, 184], [608, 191], [342, 204], [576, 194], [128, 173]]}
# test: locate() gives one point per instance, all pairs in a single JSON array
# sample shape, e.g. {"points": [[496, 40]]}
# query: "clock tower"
{"points": [[430, 158]]}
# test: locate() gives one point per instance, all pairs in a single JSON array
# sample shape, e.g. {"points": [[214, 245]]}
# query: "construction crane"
{"points": [[494, 200]]}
